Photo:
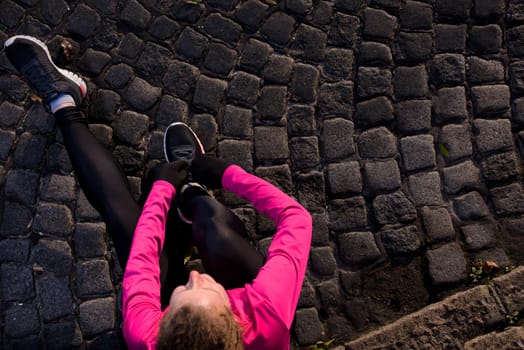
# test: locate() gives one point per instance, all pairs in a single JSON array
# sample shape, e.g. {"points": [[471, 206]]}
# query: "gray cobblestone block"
{"points": [[84, 210], [14, 87], [446, 264], [21, 320], [377, 143], [511, 237], [222, 28], [413, 116], [187, 12], [10, 115], [278, 69], [301, 120], [29, 150], [278, 175], [486, 8], [209, 93], [170, 110], [135, 15], [358, 248], [509, 289], [271, 143], [400, 241], [338, 63], [16, 219], [58, 188], [83, 21], [508, 199], [348, 6], [343, 30], [337, 139], [344, 178], [130, 46], [93, 278], [97, 316], [272, 102], [163, 27], [54, 219], [62, 335], [515, 13], [153, 61], [463, 176], [14, 250], [452, 10], [492, 100], [307, 295], [383, 175], [191, 44], [485, 39], [309, 43], [89, 240], [515, 38], [254, 55], [17, 282], [437, 224], [304, 152], [118, 76], [485, 71], [518, 111], [21, 186], [300, 7], [373, 53], [323, 261], [351, 282], [516, 73], [329, 294], [456, 140], [251, 14], [205, 126], [374, 112], [393, 208], [335, 99], [379, 24], [493, 135], [424, 189], [304, 82], [131, 127], [180, 78], [93, 61], [55, 297], [141, 95], [347, 214], [413, 47], [416, 15], [450, 38], [497, 255], [418, 152], [226, 5], [410, 82], [510, 338], [278, 28], [450, 105], [357, 311], [310, 190], [53, 256], [470, 206], [448, 69], [243, 88], [479, 236], [373, 81], [237, 122], [500, 167], [237, 152], [320, 228], [105, 105], [12, 13], [38, 120], [308, 328]]}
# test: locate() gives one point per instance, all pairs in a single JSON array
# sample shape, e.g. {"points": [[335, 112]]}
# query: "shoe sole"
{"points": [[67, 74], [194, 135]]}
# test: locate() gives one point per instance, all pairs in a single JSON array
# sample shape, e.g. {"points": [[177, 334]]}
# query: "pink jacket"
{"points": [[265, 307]]}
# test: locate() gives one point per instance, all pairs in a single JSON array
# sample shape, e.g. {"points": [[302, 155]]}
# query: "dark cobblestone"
{"points": [[400, 241], [135, 15], [448, 69], [243, 88], [118, 76], [89, 239], [457, 141], [206, 127], [351, 282], [499, 167], [413, 47], [335, 99], [490, 100], [62, 335], [348, 214], [463, 176], [301, 120], [470, 206], [485, 39], [310, 190], [373, 81], [516, 72], [418, 152], [153, 61], [272, 102], [358, 248], [278, 28], [320, 228], [7, 139], [309, 43], [329, 294], [131, 127], [237, 122], [452, 10], [381, 175], [518, 111], [487, 9], [497, 255], [55, 297], [410, 82], [374, 54], [20, 286], [278, 69], [97, 316], [30, 150], [53, 11], [93, 62], [516, 41], [337, 139], [58, 188], [251, 14], [478, 236], [209, 93], [16, 219], [53, 256], [304, 82], [11, 13], [14, 250], [304, 152], [323, 261], [322, 13], [54, 219], [83, 21], [446, 264], [171, 109], [377, 143], [413, 116], [21, 186], [27, 312], [338, 63], [234, 151], [416, 15], [508, 199], [344, 178], [376, 111], [393, 208], [379, 24], [308, 327], [485, 71], [106, 104], [130, 46], [450, 38], [424, 189], [492, 135], [271, 143], [450, 105], [222, 28], [343, 30], [163, 27], [437, 224], [141, 95], [10, 114], [191, 44], [180, 78], [93, 278], [254, 55]]}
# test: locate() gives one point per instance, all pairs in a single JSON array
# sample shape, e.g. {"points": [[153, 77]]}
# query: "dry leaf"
{"points": [[490, 266], [67, 49], [35, 98]]}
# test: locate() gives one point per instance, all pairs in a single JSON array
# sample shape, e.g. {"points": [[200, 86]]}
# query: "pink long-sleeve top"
{"points": [[265, 308]]}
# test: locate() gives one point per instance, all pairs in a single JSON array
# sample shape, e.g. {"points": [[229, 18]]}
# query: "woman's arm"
{"points": [[141, 287], [280, 279]]}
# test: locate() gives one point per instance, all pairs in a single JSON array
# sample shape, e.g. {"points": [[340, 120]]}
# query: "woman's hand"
{"points": [[174, 173]]}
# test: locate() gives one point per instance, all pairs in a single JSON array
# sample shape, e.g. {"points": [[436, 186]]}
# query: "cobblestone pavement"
{"points": [[398, 124]]}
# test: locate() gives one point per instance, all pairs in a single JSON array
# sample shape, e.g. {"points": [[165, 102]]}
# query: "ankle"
{"points": [[61, 101]]}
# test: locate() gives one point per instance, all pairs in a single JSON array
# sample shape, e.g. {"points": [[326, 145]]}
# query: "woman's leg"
{"points": [[219, 236]]}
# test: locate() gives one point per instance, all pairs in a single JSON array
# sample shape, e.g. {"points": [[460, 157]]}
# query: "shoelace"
{"points": [[182, 153]]}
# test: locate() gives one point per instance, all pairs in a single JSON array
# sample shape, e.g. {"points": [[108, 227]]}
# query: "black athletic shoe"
{"points": [[31, 58], [181, 143], [191, 189]]}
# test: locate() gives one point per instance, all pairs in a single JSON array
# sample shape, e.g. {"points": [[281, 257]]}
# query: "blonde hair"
{"points": [[193, 327]]}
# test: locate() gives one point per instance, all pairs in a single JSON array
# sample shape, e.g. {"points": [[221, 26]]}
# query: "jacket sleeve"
{"points": [[280, 280], [141, 306]]}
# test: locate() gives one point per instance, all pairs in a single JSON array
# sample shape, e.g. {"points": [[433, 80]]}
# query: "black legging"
{"points": [[217, 232]]}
